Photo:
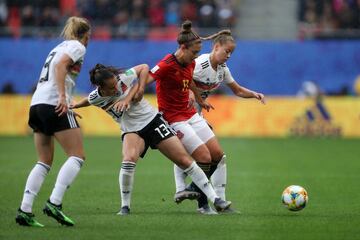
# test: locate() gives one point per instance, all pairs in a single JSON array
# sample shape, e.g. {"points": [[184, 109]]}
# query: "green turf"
{"points": [[258, 171]]}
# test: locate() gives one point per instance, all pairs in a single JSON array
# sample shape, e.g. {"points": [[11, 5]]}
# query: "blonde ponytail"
{"points": [[75, 28]]}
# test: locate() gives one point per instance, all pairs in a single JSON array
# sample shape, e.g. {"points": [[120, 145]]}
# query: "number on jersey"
{"points": [[44, 76]]}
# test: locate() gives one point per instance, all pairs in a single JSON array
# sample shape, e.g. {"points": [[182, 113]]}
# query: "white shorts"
{"points": [[193, 132]]}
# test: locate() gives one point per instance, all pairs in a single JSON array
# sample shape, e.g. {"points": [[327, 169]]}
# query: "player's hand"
{"points": [[121, 106], [139, 94], [207, 106], [260, 97], [73, 106], [192, 101], [62, 107]]}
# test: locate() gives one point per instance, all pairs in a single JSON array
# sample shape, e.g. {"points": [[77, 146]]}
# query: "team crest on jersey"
{"points": [[123, 87], [179, 134]]}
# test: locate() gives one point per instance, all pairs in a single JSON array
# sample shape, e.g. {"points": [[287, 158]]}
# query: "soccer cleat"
{"points": [[185, 194], [27, 219], [230, 211], [55, 212], [207, 210], [125, 210], [221, 205]]}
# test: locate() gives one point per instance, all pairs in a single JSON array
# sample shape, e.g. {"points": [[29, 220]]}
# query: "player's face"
{"points": [[86, 38], [192, 52], [109, 88], [223, 52]]}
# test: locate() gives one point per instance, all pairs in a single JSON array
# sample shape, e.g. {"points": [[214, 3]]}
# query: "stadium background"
{"points": [[292, 51]]}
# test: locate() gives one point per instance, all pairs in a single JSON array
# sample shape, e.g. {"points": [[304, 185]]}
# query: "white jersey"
{"points": [[206, 78], [137, 116], [46, 89]]}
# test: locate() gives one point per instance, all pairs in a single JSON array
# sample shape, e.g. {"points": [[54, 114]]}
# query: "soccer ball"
{"points": [[294, 198]]}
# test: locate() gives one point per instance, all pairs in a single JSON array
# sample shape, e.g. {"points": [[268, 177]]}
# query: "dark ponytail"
{"points": [[100, 73], [187, 36]]}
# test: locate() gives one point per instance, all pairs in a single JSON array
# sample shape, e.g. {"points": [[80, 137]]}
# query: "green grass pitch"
{"points": [[258, 171]]}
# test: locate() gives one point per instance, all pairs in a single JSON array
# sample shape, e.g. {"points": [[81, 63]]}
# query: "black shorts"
{"points": [[44, 119], [153, 133]]}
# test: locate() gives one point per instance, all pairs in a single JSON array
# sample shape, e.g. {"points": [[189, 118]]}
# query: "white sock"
{"points": [[180, 177], [126, 181], [65, 178], [199, 178], [33, 185], [218, 178]]}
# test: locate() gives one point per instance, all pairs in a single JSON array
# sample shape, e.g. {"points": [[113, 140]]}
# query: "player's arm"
{"points": [[202, 102], [124, 104], [83, 103], [61, 69], [244, 92], [142, 71]]}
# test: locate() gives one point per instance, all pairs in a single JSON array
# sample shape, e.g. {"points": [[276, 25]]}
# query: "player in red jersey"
{"points": [[174, 78]]}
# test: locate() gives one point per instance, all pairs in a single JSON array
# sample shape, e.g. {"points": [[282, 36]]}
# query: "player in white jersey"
{"points": [[50, 119], [142, 127], [210, 71]]}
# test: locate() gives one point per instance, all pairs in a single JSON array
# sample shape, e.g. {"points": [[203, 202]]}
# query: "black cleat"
{"points": [[55, 211], [27, 219]]}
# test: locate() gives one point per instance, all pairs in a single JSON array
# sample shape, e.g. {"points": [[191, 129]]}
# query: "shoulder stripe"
{"points": [[93, 96], [205, 64], [169, 60]]}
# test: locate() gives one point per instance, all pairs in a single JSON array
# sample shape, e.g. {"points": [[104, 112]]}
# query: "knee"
{"points": [[203, 157], [217, 156], [130, 158]]}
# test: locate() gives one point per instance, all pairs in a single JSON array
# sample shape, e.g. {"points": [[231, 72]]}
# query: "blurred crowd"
{"points": [[114, 18], [329, 18]]}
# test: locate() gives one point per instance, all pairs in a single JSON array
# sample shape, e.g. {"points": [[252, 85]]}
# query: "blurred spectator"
{"points": [[113, 18], [329, 18], [8, 88]]}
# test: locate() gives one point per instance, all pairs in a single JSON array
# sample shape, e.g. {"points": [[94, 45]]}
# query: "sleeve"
{"points": [[75, 51], [159, 71], [129, 78], [92, 97], [228, 78], [197, 71]]}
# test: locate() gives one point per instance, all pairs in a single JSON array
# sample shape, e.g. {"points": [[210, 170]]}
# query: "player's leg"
{"points": [[195, 147], [218, 166], [175, 151], [205, 134], [45, 150], [72, 143], [133, 146]]}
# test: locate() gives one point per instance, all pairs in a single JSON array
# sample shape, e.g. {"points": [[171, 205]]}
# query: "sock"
{"points": [[202, 200], [126, 181], [33, 185], [200, 179], [218, 178], [65, 178], [180, 177]]}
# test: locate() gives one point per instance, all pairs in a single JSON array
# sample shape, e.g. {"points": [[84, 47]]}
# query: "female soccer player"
{"points": [[50, 118], [142, 126], [210, 71], [174, 75]]}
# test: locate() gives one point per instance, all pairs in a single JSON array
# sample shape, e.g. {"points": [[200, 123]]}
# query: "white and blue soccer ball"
{"points": [[294, 198]]}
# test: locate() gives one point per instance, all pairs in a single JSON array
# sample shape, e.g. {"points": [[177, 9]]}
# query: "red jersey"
{"points": [[172, 88]]}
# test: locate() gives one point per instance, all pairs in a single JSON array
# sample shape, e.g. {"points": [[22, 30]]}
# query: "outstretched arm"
{"points": [[83, 103], [245, 93]]}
